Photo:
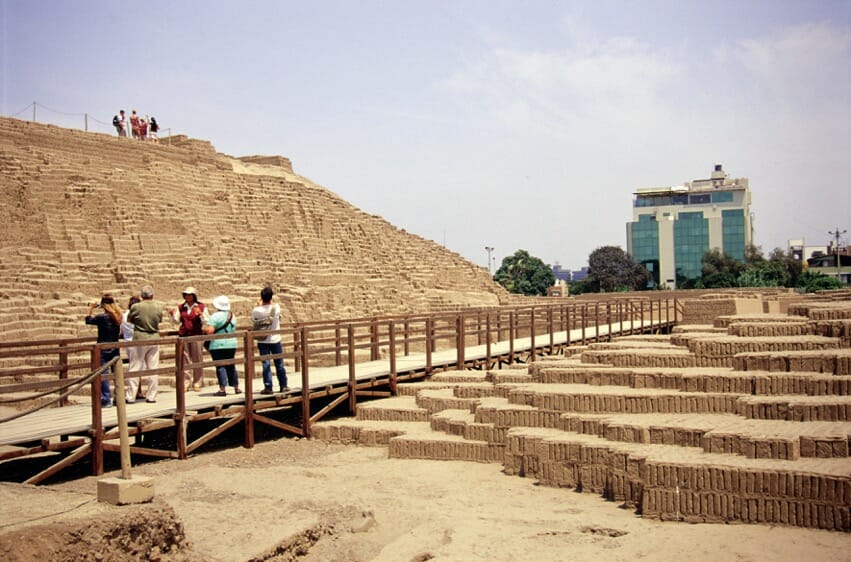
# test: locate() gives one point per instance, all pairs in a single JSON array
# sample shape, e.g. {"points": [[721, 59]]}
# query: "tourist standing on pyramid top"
{"points": [[154, 129], [120, 123], [134, 124]]}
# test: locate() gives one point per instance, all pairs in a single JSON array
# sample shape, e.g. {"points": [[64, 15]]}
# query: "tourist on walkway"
{"points": [[127, 335], [145, 316], [108, 323], [268, 317], [191, 315], [223, 322]]}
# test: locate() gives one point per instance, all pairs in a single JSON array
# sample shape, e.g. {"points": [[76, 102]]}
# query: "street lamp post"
{"points": [[489, 249], [836, 234]]}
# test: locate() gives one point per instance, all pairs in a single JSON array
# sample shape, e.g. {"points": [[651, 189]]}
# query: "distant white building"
{"points": [[673, 227]]}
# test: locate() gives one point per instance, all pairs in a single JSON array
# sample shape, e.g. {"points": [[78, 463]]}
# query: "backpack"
{"points": [[261, 324], [115, 121]]}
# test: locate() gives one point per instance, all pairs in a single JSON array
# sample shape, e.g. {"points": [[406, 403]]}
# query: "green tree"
{"points": [[525, 274], [612, 269], [719, 270], [790, 266], [812, 281]]}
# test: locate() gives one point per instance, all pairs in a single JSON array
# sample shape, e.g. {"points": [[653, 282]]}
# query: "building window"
{"points": [[733, 233], [645, 244], [722, 197], [699, 199], [691, 241]]}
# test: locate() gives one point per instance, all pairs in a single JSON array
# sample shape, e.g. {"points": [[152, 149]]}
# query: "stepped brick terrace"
{"points": [[737, 421]]}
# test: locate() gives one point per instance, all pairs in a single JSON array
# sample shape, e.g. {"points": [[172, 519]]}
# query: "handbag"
{"points": [[219, 329], [266, 323]]}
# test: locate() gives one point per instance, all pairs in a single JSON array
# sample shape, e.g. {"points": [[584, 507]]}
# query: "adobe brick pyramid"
{"points": [[747, 419], [85, 213]]}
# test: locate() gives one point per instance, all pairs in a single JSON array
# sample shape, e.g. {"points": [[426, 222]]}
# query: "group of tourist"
{"points": [[141, 323], [140, 128]]}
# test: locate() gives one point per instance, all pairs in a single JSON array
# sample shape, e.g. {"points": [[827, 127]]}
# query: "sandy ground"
{"points": [[353, 503]]}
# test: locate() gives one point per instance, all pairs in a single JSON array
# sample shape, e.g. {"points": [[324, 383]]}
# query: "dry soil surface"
{"points": [[301, 499]]}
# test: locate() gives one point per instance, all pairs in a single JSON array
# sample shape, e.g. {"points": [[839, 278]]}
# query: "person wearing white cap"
{"points": [[191, 314], [223, 322]]}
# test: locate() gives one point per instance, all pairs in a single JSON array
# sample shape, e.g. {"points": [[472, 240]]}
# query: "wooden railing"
{"points": [[36, 366]]}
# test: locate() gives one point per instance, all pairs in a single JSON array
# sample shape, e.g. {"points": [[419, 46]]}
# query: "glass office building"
{"points": [[672, 227]]}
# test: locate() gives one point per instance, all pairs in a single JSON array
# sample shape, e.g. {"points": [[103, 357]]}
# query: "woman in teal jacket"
{"points": [[223, 322]]}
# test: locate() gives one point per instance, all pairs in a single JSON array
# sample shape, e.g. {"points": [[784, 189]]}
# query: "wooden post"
{"points": [[97, 416], [488, 340], [532, 334], [352, 384], [597, 321], [248, 353], [429, 343], [567, 323], [407, 337], [374, 354], [63, 370], [459, 341], [180, 415], [551, 329], [305, 384], [511, 330], [297, 353], [391, 328], [338, 352], [584, 316], [123, 433]]}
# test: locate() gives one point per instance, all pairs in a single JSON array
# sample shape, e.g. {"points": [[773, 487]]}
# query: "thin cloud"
{"points": [[806, 60]]}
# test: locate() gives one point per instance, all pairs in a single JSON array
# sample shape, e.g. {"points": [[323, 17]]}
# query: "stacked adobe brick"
{"points": [[625, 421]]}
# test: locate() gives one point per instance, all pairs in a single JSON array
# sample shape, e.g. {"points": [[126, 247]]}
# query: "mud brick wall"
{"points": [[647, 358], [634, 402], [717, 493], [705, 309], [663, 380], [438, 400], [586, 375], [475, 391], [727, 346], [835, 329], [753, 329], [811, 384], [823, 311], [519, 416], [350, 434], [726, 321], [834, 408], [837, 362], [824, 447], [424, 447], [732, 383]]}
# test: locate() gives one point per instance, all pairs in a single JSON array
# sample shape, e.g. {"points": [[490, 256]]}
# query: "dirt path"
{"points": [[333, 502]]}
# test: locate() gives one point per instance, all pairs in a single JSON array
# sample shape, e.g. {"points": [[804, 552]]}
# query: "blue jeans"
{"points": [[281, 371], [225, 373], [106, 356]]}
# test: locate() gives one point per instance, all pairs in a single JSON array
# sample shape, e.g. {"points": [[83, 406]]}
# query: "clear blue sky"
{"points": [[517, 125]]}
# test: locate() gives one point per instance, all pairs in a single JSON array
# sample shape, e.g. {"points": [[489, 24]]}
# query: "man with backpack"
{"points": [[268, 317], [118, 123]]}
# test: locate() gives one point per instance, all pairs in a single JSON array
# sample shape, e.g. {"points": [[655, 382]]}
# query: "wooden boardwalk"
{"points": [[74, 427]]}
